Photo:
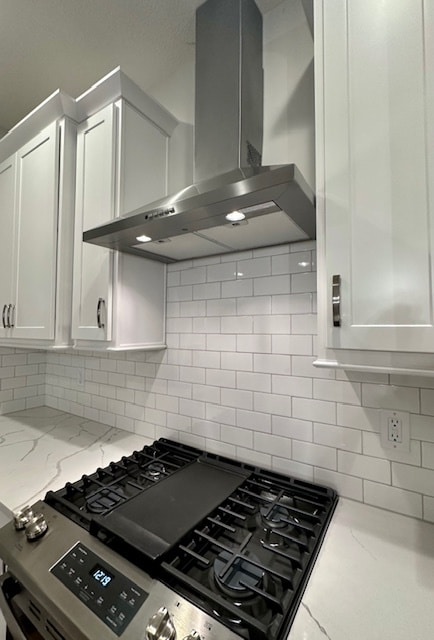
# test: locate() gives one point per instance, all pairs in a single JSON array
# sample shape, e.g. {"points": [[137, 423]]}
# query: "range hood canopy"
{"points": [[276, 202]]}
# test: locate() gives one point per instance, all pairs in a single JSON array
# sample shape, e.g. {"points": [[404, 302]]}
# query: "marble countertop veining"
{"points": [[43, 448], [374, 576]]}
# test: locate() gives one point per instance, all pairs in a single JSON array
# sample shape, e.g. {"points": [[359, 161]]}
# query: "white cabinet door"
{"points": [[96, 138], [121, 164], [36, 237], [375, 99], [143, 160], [7, 209]]}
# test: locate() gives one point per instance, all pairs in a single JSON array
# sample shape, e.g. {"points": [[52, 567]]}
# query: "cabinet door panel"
{"points": [[36, 244], [142, 162], [378, 158], [7, 212], [94, 206]]}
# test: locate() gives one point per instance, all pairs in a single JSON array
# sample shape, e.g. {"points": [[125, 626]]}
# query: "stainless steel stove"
{"points": [[168, 543]]}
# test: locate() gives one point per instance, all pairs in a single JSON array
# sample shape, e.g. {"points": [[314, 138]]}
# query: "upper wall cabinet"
{"points": [[123, 162], [375, 184], [36, 204]]}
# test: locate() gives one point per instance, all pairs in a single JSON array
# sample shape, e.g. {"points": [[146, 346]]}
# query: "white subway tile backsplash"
{"points": [[314, 454], [193, 275], [413, 478], [237, 361], [347, 486], [358, 417], [315, 410], [338, 437], [272, 285], [273, 445], [390, 397], [238, 437], [217, 341], [207, 291], [222, 272], [220, 308], [253, 420], [292, 385], [291, 467], [364, 466], [255, 343], [254, 306], [292, 428], [237, 324], [303, 282], [280, 405], [292, 304], [257, 267], [192, 309], [422, 427], [253, 381], [272, 324], [372, 447], [293, 345], [392, 498], [253, 457], [427, 454], [238, 379], [346, 392], [270, 363], [237, 398]]}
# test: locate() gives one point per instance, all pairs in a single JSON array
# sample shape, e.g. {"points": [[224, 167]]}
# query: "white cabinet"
{"points": [[33, 192], [118, 300], [7, 208], [374, 66]]}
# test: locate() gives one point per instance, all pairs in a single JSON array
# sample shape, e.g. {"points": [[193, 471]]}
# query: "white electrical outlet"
{"points": [[79, 376], [395, 430]]}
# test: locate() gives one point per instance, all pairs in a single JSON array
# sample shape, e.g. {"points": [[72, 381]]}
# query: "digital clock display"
{"points": [[102, 576]]}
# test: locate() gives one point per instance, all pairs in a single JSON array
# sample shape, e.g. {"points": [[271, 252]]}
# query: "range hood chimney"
{"points": [[275, 202]]}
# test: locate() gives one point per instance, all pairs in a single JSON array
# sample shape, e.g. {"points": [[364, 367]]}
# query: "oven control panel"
{"points": [[108, 593]]}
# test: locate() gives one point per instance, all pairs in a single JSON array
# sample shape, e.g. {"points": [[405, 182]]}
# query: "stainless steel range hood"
{"points": [[276, 201]]}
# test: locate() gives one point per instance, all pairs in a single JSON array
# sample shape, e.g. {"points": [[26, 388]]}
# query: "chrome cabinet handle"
{"points": [[99, 306], [8, 317], [11, 316], [5, 306], [336, 300]]}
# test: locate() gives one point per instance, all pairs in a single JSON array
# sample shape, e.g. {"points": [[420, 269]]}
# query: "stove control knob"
{"points": [[21, 518], [160, 626], [193, 635], [36, 527]]}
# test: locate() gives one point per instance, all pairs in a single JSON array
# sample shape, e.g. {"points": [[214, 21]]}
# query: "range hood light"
{"points": [[235, 216], [143, 239]]}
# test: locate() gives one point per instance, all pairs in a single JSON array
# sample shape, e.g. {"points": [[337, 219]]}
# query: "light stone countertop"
{"points": [[373, 579]]}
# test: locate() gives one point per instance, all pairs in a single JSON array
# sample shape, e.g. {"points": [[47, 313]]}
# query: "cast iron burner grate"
{"points": [[108, 488], [247, 563]]}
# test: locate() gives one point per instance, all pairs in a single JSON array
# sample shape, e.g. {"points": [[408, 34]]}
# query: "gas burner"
{"points": [[274, 516], [155, 470], [237, 580], [105, 499]]}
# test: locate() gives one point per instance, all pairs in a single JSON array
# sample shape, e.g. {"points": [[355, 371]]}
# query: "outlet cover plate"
{"points": [[404, 419]]}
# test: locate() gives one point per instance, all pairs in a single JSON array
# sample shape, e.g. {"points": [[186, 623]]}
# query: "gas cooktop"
{"points": [[237, 541]]}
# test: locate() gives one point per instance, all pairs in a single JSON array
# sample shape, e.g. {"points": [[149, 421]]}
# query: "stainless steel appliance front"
{"points": [[37, 604]]}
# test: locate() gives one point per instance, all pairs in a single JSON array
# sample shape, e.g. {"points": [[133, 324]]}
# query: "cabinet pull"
{"points": [[5, 306], [99, 322], [336, 300], [8, 317], [11, 316]]}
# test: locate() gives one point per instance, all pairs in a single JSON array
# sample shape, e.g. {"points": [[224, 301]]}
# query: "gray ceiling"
{"points": [[70, 44]]}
